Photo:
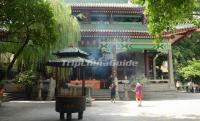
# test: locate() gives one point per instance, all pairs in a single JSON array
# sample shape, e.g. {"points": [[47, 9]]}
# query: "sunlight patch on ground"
{"points": [[179, 109]]}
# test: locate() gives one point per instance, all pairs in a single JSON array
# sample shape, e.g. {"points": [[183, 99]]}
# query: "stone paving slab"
{"points": [[158, 110]]}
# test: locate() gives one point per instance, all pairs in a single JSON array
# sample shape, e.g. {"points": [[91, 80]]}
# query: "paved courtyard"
{"points": [[158, 110]]}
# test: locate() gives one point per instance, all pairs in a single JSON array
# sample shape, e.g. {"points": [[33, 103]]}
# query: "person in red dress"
{"points": [[139, 94]]}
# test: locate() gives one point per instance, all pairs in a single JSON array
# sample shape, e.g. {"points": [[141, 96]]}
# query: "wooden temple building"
{"points": [[116, 30]]}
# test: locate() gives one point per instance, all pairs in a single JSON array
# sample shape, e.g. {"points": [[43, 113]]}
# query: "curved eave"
{"points": [[180, 31], [177, 36], [107, 9], [133, 34], [114, 34], [113, 31], [111, 5]]}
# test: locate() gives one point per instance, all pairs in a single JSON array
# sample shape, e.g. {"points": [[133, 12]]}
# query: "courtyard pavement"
{"points": [[179, 109]]}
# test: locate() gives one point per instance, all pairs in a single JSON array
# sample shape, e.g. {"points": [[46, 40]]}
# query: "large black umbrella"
{"points": [[71, 62], [71, 52]]}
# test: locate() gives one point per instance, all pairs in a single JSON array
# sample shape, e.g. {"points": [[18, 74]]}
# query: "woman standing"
{"points": [[113, 92], [138, 94]]}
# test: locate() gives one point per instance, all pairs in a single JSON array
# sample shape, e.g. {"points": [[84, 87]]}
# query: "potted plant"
{"points": [[28, 80]]}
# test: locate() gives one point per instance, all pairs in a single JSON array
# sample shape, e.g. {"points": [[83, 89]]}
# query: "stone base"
{"points": [[89, 101], [159, 91]]}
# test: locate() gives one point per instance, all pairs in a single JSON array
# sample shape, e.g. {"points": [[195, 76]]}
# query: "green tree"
{"points": [[27, 78], [184, 52], [36, 28], [187, 49], [191, 70], [165, 15], [29, 23]]}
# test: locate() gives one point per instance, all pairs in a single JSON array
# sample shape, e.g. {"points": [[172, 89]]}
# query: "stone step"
{"points": [[151, 92], [101, 94], [15, 96], [158, 87], [12, 87], [159, 95], [101, 97], [159, 91]]}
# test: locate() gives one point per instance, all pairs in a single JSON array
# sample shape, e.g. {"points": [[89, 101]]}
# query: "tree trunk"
{"points": [[17, 55]]}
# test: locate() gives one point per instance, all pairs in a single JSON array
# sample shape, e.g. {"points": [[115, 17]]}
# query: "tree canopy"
{"points": [[165, 15], [186, 57], [187, 49], [36, 28], [191, 70]]}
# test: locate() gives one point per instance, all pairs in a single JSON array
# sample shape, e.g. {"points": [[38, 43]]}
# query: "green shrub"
{"points": [[27, 78]]}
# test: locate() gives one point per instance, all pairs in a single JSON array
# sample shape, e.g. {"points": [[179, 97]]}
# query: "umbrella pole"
{"points": [[83, 83], [57, 85]]}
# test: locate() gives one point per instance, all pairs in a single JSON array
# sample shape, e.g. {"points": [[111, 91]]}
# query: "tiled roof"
{"points": [[96, 1], [127, 30], [101, 3], [71, 50], [113, 5], [123, 9], [110, 34]]}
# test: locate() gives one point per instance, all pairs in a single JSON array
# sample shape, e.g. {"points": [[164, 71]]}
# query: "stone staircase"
{"points": [[154, 91], [12, 87], [15, 96], [101, 94], [158, 91], [13, 93]]}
